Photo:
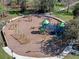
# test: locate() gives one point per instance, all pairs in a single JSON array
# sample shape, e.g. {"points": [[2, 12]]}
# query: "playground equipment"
{"points": [[51, 28], [44, 25]]}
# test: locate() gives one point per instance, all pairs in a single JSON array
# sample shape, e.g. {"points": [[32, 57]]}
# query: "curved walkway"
{"points": [[71, 5]]}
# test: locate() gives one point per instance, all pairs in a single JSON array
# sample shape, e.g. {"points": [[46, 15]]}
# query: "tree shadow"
{"points": [[53, 47]]}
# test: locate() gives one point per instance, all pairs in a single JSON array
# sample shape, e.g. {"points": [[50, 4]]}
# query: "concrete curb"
{"points": [[8, 51]]}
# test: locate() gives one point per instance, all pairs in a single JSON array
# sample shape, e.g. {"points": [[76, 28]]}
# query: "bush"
{"points": [[76, 11]]}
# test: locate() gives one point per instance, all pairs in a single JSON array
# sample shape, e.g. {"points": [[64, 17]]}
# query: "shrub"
{"points": [[76, 11]]}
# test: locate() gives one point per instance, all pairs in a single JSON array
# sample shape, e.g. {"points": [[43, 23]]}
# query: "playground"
{"points": [[25, 35]]}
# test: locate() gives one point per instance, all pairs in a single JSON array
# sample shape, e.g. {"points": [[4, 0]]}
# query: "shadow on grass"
{"points": [[64, 13]]}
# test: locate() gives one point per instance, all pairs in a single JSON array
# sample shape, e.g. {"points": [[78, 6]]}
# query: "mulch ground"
{"points": [[23, 38]]}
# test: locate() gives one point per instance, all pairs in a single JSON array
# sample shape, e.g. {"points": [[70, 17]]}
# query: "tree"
{"points": [[76, 11], [51, 5], [73, 30], [42, 6], [45, 5], [23, 6]]}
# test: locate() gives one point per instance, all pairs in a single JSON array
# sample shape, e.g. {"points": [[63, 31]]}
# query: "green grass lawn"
{"points": [[63, 16], [58, 6], [71, 57], [4, 55], [1, 8]]}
